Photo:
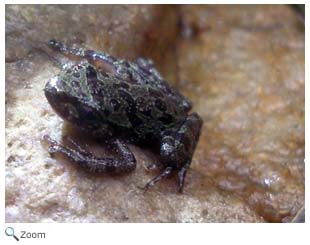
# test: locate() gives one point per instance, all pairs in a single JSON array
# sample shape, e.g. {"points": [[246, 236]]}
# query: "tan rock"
{"points": [[243, 68]]}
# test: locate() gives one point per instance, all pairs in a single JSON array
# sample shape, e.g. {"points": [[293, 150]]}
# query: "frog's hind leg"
{"points": [[124, 162], [148, 69], [102, 61], [177, 149], [78, 147], [69, 52]]}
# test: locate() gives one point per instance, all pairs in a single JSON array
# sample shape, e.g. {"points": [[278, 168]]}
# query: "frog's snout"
{"points": [[55, 96], [62, 104], [51, 86]]}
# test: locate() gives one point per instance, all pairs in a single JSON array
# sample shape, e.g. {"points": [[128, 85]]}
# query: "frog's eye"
{"points": [[76, 73], [91, 72], [75, 84]]}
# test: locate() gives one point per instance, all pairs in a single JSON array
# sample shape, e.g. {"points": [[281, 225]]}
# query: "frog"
{"points": [[122, 102]]}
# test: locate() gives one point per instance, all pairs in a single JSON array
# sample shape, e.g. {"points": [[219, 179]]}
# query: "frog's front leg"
{"points": [[125, 162], [177, 150]]}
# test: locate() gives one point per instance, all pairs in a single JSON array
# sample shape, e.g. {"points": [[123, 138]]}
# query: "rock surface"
{"points": [[243, 68]]}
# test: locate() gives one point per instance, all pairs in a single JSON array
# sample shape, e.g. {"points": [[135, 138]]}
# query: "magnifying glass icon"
{"points": [[9, 231]]}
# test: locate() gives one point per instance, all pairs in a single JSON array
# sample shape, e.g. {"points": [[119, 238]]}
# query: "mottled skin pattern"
{"points": [[122, 101]]}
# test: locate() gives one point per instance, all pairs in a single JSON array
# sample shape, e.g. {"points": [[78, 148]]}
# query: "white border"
{"points": [[155, 2], [161, 233], [2, 115], [307, 119]]}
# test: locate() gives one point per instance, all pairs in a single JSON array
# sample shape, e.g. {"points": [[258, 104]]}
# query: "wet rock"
{"points": [[245, 65], [243, 68]]}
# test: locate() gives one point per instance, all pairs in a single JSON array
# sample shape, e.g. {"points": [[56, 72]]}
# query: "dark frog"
{"points": [[122, 101]]}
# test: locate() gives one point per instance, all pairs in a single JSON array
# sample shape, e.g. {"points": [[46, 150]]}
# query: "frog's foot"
{"points": [[152, 166], [124, 162], [77, 146], [177, 148], [181, 177], [166, 172], [102, 61]]}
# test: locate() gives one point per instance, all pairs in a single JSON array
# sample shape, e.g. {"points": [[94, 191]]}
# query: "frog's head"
{"points": [[69, 93]]}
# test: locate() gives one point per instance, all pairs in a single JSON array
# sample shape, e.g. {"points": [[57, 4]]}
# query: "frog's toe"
{"points": [[48, 139], [53, 146], [53, 149], [152, 166], [181, 178], [166, 172]]}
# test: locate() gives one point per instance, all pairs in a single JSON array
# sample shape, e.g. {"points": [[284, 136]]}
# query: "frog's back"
{"points": [[103, 103], [134, 109]]}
